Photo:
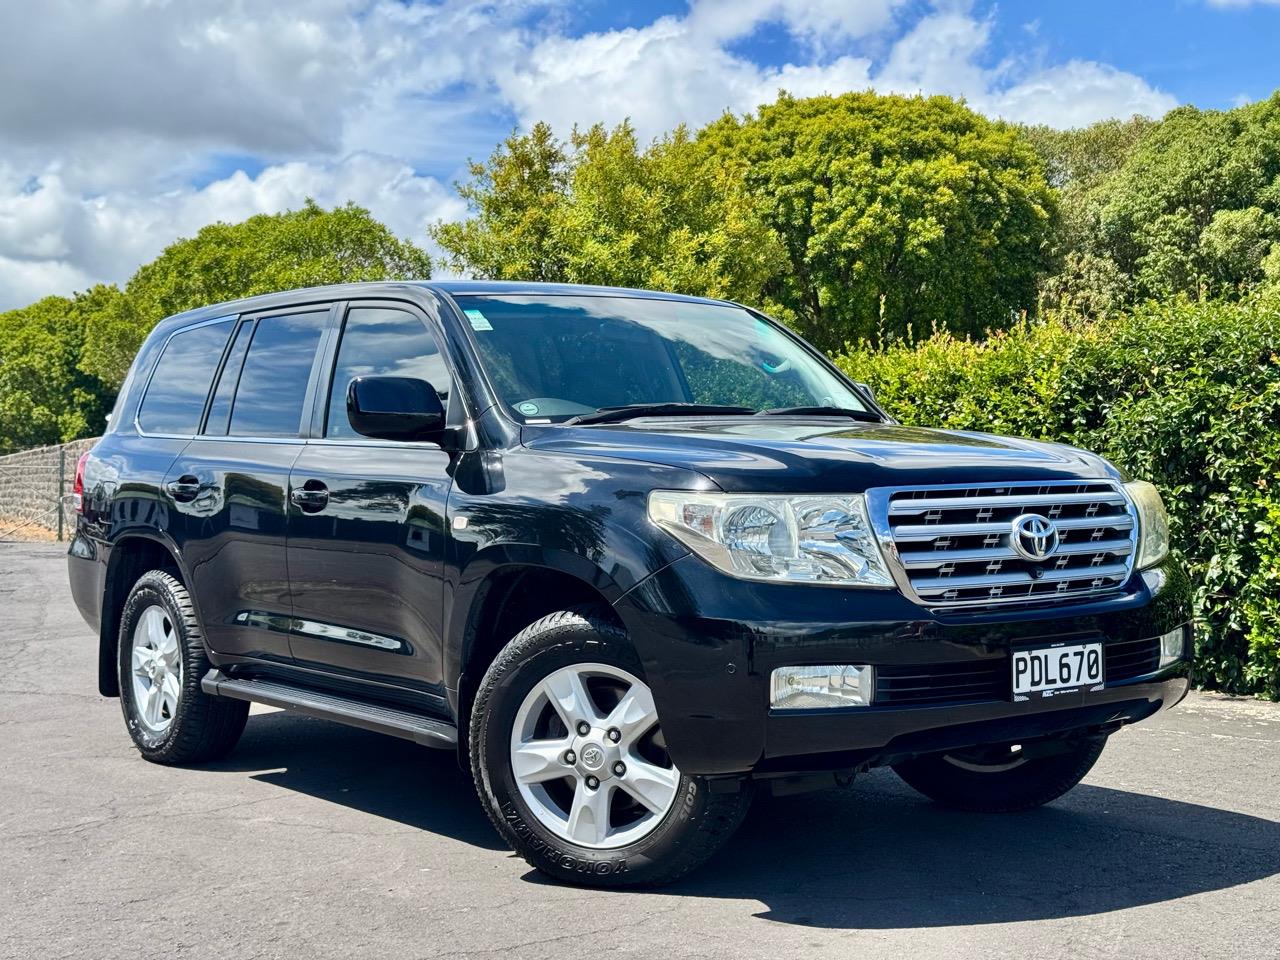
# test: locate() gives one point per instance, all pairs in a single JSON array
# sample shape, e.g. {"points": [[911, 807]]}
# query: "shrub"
{"points": [[1184, 394]]}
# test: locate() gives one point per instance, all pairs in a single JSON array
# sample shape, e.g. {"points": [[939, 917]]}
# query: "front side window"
{"points": [[383, 342], [175, 398], [553, 357], [272, 391]]}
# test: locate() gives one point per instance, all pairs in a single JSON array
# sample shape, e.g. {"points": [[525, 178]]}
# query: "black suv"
{"points": [[631, 554]]}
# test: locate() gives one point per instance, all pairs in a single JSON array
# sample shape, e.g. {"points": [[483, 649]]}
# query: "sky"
{"points": [[126, 124]]}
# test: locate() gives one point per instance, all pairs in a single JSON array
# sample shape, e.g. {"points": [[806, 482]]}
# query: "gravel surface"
{"points": [[316, 840]]}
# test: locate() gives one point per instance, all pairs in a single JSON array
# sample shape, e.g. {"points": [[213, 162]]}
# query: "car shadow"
{"points": [[376, 774], [876, 856]]}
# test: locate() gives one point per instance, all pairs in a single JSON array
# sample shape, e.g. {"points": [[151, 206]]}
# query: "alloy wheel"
{"points": [[156, 662], [588, 757]]}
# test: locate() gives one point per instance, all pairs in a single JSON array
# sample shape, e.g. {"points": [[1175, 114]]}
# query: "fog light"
{"points": [[806, 688], [1172, 647]]}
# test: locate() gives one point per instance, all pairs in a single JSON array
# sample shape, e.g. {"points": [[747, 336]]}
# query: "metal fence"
{"points": [[35, 491]]}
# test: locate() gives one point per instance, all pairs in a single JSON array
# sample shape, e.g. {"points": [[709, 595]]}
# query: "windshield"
{"points": [[554, 357]]}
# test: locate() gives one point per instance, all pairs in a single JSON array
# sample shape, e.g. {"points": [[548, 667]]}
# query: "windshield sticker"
{"points": [[527, 408], [479, 322]]}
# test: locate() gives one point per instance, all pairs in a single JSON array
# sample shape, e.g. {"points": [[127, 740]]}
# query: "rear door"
{"points": [[229, 487], [366, 518]]}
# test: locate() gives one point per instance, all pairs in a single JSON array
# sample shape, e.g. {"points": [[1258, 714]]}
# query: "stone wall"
{"points": [[35, 486]]}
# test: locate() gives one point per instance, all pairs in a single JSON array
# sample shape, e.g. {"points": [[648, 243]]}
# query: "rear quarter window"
{"points": [[175, 397]]}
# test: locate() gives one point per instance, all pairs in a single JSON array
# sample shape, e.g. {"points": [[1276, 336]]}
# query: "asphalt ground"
{"points": [[317, 840]]}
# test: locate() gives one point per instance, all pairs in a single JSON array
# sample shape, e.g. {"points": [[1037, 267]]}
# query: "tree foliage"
{"points": [[63, 359], [45, 397], [299, 248], [601, 209], [849, 215], [1186, 205], [894, 212]]}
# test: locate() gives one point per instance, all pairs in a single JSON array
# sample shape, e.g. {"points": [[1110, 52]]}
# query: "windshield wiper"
{"points": [[632, 410], [866, 416]]}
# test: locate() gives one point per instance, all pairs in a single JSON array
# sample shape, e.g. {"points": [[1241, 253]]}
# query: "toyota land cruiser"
{"points": [[631, 554]]}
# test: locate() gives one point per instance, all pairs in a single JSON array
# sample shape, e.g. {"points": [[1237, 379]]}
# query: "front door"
{"points": [[366, 542]]}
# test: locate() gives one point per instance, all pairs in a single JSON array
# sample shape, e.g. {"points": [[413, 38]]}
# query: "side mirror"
{"points": [[394, 408], [866, 388]]}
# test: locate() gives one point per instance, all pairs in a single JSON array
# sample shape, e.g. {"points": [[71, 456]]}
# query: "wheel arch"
{"points": [[496, 604], [131, 556]]}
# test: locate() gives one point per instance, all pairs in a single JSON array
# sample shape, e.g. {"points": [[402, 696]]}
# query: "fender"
{"points": [[475, 578]]}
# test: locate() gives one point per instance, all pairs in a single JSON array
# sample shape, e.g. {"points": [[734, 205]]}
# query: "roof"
{"points": [[456, 288], [536, 288]]}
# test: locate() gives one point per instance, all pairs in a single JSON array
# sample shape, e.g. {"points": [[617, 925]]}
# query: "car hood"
{"points": [[810, 455]]}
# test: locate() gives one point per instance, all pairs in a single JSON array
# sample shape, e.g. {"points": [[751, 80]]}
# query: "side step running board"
{"points": [[328, 706]]}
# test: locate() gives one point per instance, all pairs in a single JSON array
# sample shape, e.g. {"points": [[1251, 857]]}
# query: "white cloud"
{"points": [[943, 53], [1078, 93], [54, 240], [119, 109], [681, 69], [254, 75], [658, 76], [26, 281]]}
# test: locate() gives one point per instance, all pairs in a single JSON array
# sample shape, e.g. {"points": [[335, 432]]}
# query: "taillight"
{"points": [[77, 488]]}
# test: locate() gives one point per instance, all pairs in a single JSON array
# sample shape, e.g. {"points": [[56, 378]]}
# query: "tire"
{"points": [[681, 824], [188, 725], [995, 780]]}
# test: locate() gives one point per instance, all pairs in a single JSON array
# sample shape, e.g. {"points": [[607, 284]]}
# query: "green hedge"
{"points": [[1186, 395]]}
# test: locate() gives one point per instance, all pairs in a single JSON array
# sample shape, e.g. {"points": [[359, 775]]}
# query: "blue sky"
{"points": [[1207, 55], [141, 122]]}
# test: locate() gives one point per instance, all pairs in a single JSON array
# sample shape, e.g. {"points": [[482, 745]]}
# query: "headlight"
{"points": [[1153, 523], [823, 539]]}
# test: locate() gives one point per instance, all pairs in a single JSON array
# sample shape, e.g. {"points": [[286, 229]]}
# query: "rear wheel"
{"points": [[1003, 778], [162, 659], [571, 764]]}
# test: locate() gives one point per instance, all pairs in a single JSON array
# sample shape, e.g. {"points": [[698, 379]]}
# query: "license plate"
{"points": [[1054, 670]]}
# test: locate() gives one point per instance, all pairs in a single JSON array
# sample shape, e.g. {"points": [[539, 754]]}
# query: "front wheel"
{"points": [[571, 764], [1001, 779]]}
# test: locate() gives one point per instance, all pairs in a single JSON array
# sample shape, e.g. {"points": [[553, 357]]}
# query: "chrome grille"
{"points": [[951, 545]]}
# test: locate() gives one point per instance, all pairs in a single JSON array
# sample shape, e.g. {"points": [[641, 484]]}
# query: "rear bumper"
{"points": [[86, 573], [709, 643]]}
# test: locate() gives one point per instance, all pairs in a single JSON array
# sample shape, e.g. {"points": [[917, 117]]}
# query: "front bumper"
{"points": [[709, 643]]}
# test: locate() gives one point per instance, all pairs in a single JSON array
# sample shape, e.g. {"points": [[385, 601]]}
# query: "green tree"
{"points": [[849, 216], [1195, 207], [1236, 243], [299, 248], [1079, 163], [44, 395], [515, 200], [894, 212], [1084, 157], [600, 209], [1185, 394]]}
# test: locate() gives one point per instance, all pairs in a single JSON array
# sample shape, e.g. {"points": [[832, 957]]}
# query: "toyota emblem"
{"points": [[1033, 537]]}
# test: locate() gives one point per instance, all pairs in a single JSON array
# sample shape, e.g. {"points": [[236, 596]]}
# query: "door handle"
{"points": [[311, 497], [185, 489]]}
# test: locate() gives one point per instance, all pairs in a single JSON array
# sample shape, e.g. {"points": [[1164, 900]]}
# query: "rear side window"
{"points": [[273, 381], [175, 397], [224, 393], [383, 342]]}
